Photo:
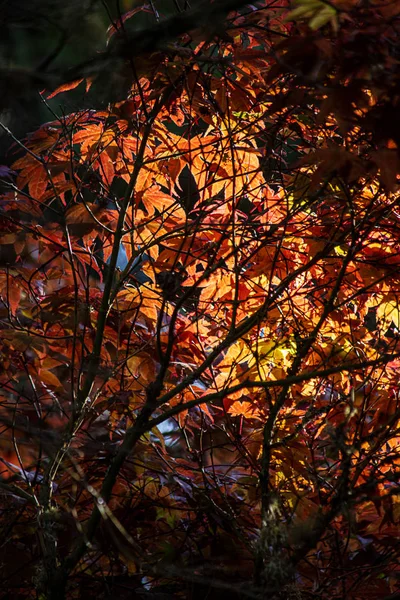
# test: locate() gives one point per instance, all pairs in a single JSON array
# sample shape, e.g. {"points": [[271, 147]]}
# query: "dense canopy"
{"points": [[199, 310]]}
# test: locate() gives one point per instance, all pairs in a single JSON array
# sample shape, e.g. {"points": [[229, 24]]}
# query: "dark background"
{"points": [[43, 41]]}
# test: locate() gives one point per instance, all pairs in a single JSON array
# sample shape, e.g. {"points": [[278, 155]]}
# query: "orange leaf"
{"points": [[66, 87], [48, 378], [245, 409]]}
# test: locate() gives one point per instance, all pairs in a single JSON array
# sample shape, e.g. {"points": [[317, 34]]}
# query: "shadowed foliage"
{"points": [[199, 300]]}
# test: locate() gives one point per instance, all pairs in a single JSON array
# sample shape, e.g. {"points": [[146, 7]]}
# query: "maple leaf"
{"points": [[245, 409], [199, 293]]}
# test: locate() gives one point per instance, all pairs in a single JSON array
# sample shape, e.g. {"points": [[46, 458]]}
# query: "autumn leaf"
{"points": [[66, 87], [245, 409], [199, 292]]}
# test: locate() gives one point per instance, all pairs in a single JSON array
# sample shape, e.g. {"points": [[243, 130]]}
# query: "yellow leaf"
{"points": [[389, 312], [317, 11], [322, 17], [300, 12], [341, 250]]}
